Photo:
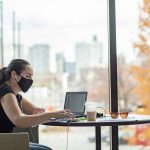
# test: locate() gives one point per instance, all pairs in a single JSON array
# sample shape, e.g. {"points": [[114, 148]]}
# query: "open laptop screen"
{"points": [[75, 101]]}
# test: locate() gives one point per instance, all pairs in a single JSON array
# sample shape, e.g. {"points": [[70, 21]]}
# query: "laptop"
{"points": [[75, 102]]}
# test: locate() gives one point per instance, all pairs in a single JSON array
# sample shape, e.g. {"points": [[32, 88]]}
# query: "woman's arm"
{"points": [[13, 112], [29, 108]]}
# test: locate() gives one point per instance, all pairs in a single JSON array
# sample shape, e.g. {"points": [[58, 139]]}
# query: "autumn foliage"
{"points": [[141, 69]]}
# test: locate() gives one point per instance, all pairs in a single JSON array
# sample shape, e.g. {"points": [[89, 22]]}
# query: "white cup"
{"points": [[91, 111]]}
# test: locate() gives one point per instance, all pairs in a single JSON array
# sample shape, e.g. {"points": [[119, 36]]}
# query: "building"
{"points": [[88, 55], [60, 61], [62, 66], [39, 57], [70, 67]]}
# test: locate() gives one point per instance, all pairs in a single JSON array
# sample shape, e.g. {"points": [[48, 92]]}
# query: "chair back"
{"points": [[14, 141]]}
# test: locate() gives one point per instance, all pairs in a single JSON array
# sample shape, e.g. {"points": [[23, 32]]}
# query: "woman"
{"points": [[17, 111]]}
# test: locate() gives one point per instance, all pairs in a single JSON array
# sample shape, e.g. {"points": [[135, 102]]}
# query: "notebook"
{"points": [[75, 102]]}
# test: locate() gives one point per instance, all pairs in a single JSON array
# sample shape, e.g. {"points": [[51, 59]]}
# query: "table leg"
{"points": [[114, 138], [98, 137]]}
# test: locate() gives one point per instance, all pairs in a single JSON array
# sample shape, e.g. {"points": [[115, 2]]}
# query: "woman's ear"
{"points": [[14, 75]]}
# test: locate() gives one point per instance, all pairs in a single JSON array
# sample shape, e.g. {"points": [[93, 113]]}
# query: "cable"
{"points": [[67, 136]]}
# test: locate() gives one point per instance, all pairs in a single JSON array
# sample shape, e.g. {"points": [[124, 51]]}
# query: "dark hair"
{"points": [[17, 65]]}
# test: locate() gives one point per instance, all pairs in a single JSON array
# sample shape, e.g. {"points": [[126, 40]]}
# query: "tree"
{"points": [[141, 73], [141, 70], [125, 84]]}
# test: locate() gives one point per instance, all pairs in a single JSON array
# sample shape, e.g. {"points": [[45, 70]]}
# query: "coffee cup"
{"points": [[91, 111]]}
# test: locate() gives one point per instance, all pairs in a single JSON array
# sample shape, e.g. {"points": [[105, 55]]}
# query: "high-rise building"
{"points": [[60, 61], [62, 66], [70, 67], [39, 57], [88, 55]]}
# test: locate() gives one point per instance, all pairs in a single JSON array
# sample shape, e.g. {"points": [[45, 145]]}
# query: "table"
{"points": [[105, 121]]}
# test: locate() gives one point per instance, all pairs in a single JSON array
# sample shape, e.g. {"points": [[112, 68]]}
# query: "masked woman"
{"points": [[17, 111]]}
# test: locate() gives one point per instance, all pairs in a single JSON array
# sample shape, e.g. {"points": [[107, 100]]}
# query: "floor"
{"points": [[74, 138]]}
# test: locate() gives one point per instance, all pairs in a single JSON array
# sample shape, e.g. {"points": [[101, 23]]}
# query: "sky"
{"points": [[63, 23]]}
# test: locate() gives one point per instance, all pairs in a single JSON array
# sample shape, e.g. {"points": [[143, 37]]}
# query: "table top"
{"points": [[105, 121]]}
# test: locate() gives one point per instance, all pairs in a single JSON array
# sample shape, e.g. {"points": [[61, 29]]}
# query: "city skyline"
{"points": [[39, 55], [62, 24]]}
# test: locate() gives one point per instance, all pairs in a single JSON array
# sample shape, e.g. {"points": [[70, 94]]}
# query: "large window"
{"points": [[133, 68], [66, 42]]}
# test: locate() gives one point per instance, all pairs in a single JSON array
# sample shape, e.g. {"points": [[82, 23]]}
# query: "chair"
{"points": [[14, 141], [32, 131]]}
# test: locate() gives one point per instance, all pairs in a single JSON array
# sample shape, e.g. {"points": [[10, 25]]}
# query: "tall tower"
{"points": [[88, 55], [39, 57]]}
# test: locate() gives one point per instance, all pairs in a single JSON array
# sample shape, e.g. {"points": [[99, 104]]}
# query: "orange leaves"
{"points": [[142, 89], [141, 71], [147, 6], [143, 46], [146, 2]]}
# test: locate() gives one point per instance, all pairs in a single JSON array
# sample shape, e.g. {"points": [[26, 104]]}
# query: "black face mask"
{"points": [[25, 84]]}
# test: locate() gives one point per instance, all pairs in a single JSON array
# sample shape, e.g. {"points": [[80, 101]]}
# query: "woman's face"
{"points": [[24, 80], [27, 72]]}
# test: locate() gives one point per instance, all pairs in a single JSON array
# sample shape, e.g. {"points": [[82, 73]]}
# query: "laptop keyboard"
{"points": [[67, 120]]}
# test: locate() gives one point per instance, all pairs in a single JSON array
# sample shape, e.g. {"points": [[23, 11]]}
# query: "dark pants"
{"points": [[36, 146]]}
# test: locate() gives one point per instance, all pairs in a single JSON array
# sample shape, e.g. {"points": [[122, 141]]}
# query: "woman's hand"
{"points": [[63, 114], [38, 110]]}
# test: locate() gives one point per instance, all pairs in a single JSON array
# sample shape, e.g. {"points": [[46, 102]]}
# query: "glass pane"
{"points": [[133, 68], [67, 45]]}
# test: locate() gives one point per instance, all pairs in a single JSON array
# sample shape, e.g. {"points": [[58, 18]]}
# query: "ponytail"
{"points": [[17, 65], [2, 75]]}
